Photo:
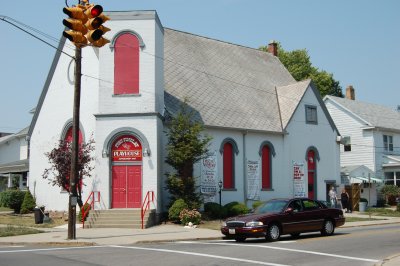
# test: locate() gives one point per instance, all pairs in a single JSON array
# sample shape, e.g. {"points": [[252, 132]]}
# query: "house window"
{"points": [[126, 64], [228, 166], [266, 182], [347, 144], [388, 143], [311, 114]]}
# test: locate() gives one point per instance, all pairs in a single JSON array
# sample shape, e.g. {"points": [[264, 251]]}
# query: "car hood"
{"points": [[251, 217]]}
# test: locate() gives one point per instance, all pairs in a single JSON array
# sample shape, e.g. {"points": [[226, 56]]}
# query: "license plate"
{"points": [[232, 231]]}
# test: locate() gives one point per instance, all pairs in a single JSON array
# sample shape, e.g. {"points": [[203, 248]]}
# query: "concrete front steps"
{"points": [[119, 218]]}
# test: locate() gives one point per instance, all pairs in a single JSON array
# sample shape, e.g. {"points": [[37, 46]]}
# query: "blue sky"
{"points": [[358, 41]]}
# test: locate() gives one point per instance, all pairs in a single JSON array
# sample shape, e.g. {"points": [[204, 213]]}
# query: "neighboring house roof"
{"points": [[352, 170], [19, 134], [373, 115], [15, 167]]}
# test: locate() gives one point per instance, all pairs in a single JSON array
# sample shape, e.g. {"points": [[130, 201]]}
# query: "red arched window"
{"points": [[68, 138], [266, 167], [311, 166], [228, 164], [126, 64]]}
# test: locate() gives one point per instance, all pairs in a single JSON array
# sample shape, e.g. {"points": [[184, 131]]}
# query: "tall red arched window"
{"points": [[126, 64], [228, 166], [311, 166], [68, 138], [266, 167]]}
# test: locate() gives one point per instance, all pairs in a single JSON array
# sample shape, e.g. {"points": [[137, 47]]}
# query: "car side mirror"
{"points": [[289, 210]]}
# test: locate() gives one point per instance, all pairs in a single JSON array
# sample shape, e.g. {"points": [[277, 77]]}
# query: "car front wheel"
{"points": [[328, 228], [273, 232]]}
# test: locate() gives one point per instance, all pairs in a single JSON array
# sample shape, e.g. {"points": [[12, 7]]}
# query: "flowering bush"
{"points": [[192, 216]]}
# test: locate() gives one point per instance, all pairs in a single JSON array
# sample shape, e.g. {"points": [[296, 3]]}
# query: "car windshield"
{"points": [[272, 206]]}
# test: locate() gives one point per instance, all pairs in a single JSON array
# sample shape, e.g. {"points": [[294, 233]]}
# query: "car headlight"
{"points": [[223, 224], [254, 223]]}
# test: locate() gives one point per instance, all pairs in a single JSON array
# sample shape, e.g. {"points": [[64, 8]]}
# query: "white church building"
{"points": [[271, 136]]}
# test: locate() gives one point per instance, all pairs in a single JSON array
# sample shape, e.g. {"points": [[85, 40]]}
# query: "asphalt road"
{"points": [[349, 246]]}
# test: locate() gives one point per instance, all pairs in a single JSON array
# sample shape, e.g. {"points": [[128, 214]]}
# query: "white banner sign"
{"points": [[253, 180], [209, 176], [299, 186]]}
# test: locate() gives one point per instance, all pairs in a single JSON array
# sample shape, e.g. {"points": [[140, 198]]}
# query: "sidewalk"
{"points": [[160, 233]]}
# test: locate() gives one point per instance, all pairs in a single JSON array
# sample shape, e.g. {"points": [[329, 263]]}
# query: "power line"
{"points": [[13, 23]]}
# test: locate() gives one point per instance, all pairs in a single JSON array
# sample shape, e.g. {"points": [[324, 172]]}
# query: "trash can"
{"points": [[39, 215], [362, 206]]}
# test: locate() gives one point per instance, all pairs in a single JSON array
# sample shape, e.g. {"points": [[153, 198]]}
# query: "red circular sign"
{"points": [[126, 148]]}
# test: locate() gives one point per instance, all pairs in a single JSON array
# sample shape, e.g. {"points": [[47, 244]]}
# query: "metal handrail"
{"points": [[93, 200], [150, 196]]}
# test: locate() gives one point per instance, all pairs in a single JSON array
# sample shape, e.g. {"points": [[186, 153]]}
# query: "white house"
{"points": [[14, 163], [371, 136], [272, 136]]}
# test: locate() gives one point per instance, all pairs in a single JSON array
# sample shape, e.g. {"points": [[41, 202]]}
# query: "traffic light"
{"points": [[76, 24], [95, 27]]}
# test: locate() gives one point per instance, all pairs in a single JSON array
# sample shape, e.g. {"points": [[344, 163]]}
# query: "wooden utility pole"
{"points": [[74, 177]]}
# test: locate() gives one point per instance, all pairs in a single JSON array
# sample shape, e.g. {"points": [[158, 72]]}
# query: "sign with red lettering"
{"points": [[126, 148]]}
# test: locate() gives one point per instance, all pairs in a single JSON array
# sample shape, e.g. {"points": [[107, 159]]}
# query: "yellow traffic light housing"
{"points": [[85, 24], [94, 25], [76, 24]]}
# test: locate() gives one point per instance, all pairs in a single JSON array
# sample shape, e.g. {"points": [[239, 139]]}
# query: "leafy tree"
{"points": [[300, 67], [60, 160], [186, 146]]}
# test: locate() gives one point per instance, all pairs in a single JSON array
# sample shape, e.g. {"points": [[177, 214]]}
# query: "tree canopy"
{"points": [[300, 67]]}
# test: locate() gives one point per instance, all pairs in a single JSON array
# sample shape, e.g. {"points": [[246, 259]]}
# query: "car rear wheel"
{"points": [[328, 228], [273, 232]]}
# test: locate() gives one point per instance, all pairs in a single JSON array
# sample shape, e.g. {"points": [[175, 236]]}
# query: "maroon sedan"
{"points": [[284, 216]]}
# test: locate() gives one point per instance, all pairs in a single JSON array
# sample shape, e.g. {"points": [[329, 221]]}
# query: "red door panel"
{"points": [[134, 187], [118, 186]]}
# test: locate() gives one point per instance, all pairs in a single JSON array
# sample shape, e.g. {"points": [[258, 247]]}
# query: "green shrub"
{"points": [[398, 207], [87, 208], [13, 199], [189, 216], [214, 210], [235, 208], [28, 204], [240, 209], [256, 204], [175, 210], [228, 208]]}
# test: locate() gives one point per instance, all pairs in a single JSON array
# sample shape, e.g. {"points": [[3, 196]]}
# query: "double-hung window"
{"points": [[311, 114], [387, 143]]}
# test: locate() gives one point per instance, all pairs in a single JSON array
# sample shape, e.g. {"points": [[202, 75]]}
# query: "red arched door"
{"points": [[126, 156], [311, 174]]}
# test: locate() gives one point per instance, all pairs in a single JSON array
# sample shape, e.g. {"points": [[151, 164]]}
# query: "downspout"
{"points": [[244, 168]]}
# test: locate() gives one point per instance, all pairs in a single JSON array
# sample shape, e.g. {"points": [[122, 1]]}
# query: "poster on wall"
{"points": [[253, 180], [299, 186], [208, 186]]}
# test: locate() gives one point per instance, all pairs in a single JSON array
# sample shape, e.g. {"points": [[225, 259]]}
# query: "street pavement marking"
{"points": [[200, 255], [280, 248], [46, 249]]}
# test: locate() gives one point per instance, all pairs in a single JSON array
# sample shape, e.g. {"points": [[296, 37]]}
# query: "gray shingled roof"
{"points": [[375, 115], [289, 97], [227, 85]]}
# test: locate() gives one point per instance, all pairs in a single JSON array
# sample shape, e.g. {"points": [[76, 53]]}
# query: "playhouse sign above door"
{"points": [[126, 148]]}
